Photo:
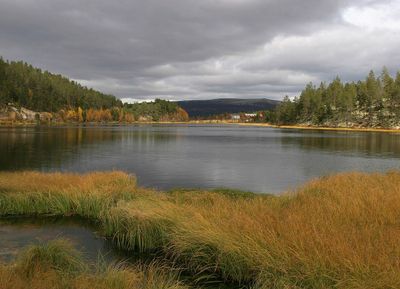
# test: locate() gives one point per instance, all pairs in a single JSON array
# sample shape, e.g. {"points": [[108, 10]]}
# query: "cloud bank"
{"points": [[189, 49]]}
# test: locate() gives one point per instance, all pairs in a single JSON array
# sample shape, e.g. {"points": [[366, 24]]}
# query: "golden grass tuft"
{"points": [[95, 182], [339, 231], [58, 256], [56, 265], [87, 195]]}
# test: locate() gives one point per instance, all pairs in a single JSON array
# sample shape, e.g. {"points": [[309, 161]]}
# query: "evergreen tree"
{"points": [[286, 112], [372, 102], [30, 87]]}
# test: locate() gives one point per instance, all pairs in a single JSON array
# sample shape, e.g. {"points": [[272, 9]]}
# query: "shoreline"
{"points": [[215, 122], [303, 127], [197, 231]]}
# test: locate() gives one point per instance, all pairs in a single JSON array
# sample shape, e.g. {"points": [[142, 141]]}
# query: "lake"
{"points": [[258, 159]]}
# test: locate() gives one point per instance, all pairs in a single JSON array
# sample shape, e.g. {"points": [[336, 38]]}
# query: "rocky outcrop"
{"points": [[13, 113]]}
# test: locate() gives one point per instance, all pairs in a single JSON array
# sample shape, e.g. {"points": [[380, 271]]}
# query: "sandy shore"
{"points": [[355, 129], [253, 124]]}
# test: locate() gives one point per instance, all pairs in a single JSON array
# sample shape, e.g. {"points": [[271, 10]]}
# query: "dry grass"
{"points": [[341, 231], [59, 256], [68, 183], [32, 193], [57, 265]]}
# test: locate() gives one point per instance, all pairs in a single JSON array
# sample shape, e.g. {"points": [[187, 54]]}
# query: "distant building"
{"points": [[235, 116]]}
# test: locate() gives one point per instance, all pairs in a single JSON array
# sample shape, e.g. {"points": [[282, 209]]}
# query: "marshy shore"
{"points": [[340, 231]]}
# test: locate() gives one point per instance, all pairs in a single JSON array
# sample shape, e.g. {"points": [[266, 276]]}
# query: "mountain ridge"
{"points": [[209, 107]]}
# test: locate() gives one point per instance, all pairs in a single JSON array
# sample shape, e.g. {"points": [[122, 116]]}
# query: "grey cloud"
{"points": [[181, 49]]}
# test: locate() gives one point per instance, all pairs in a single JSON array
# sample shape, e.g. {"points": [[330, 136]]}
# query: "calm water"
{"points": [[250, 158], [17, 233]]}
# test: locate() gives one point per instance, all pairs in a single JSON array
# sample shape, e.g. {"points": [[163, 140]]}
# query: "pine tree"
{"points": [[372, 102]]}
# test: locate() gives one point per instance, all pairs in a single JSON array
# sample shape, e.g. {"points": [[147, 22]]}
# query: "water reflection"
{"points": [[44, 147], [166, 156], [368, 143]]}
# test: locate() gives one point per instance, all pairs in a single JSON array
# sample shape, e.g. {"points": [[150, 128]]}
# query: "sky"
{"points": [[202, 49]]}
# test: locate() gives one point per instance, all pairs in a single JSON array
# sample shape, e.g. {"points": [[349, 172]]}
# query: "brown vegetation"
{"points": [[57, 265], [335, 232]]}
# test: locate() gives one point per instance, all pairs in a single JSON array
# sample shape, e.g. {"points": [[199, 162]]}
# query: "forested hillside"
{"points": [[29, 94], [373, 102], [30, 87], [158, 110]]}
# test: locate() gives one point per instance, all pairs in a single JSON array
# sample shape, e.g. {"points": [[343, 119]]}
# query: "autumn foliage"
{"points": [[116, 114]]}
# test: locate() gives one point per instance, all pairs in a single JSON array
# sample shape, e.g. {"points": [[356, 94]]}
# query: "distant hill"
{"points": [[29, 94], [203, 108], [38, 90]]}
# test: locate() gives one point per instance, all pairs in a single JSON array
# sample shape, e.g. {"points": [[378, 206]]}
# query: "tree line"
{"points": [[59, 99], [158, 110], [373, 102], [30, 87]]}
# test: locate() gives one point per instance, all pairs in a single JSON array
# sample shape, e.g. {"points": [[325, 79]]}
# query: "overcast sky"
{"points": [[201, 49]]}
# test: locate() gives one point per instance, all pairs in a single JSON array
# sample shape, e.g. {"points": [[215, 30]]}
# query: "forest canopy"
{"points": [[30, 87], [158, 110], [374, 101], [55, 98]]}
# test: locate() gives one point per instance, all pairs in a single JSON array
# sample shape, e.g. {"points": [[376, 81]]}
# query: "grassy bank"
{"points": [[57, 265], [336, 232]]}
